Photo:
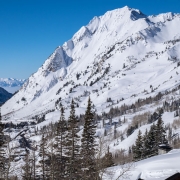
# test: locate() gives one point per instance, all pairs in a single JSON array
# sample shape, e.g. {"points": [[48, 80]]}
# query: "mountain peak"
{"points": [[135, 14], [121, 37], [126, 12], [163, 17]]}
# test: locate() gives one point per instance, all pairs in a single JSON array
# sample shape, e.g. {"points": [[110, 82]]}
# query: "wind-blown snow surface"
{"points": [[10, 84], [148, 46], [155, 168]]}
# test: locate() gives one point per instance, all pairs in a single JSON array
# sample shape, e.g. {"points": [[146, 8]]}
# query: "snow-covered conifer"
{"points": [[88, 145]]}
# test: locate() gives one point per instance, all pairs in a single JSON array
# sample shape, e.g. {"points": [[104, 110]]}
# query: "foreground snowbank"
{"points": [[155, 168]]}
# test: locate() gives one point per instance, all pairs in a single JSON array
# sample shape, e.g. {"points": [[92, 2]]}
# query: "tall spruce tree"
{"points": [[60, 142], [44, 156], [88, 145], [52, 162], [72, 147], [146, 147], [160, 133], [27, 168], [138, 148], [115, 131], [34, 164], [152, 140]]}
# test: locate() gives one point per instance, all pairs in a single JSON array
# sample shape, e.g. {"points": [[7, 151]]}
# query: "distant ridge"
{"points": [[4, 96], [11, 84]]}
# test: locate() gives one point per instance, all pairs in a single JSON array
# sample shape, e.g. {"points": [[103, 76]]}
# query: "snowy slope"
{"points": [[155, 168], [126, 50], [122, 54], [10, 84]]}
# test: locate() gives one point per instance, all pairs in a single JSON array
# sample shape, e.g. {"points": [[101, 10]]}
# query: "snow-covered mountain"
{"points": [[117, 59], [11, 84], [116, 55]]}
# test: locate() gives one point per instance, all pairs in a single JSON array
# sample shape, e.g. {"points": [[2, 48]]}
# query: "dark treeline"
{"points": [[69, 156], [124, 109], [171, 106], [148, 144]]}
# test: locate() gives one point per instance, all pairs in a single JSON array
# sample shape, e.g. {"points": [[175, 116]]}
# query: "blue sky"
{"points": [[30, 30]]}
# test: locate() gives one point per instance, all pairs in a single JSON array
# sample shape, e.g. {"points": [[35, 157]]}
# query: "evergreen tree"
{"points": [[60, 142], [170, 135], [53, 165], [44, 157], [152, 141], [160, 133], [72, 147], [34, 164], [129, 151], [115, 131], [138, 148], [146, 147], [105, 132], [88, 145], [27, 168], [130, 154], [108, 159]]}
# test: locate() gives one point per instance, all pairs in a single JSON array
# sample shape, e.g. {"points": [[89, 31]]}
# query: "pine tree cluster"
{"points": [[69, 157], [147, 145], [62, 153]]}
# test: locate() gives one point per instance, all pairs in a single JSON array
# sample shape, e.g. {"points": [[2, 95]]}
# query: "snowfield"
{"points": [[155, 168]]}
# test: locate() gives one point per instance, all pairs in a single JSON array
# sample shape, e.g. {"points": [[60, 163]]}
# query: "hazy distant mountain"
{"points": [[11, 84], [4, 95]]}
